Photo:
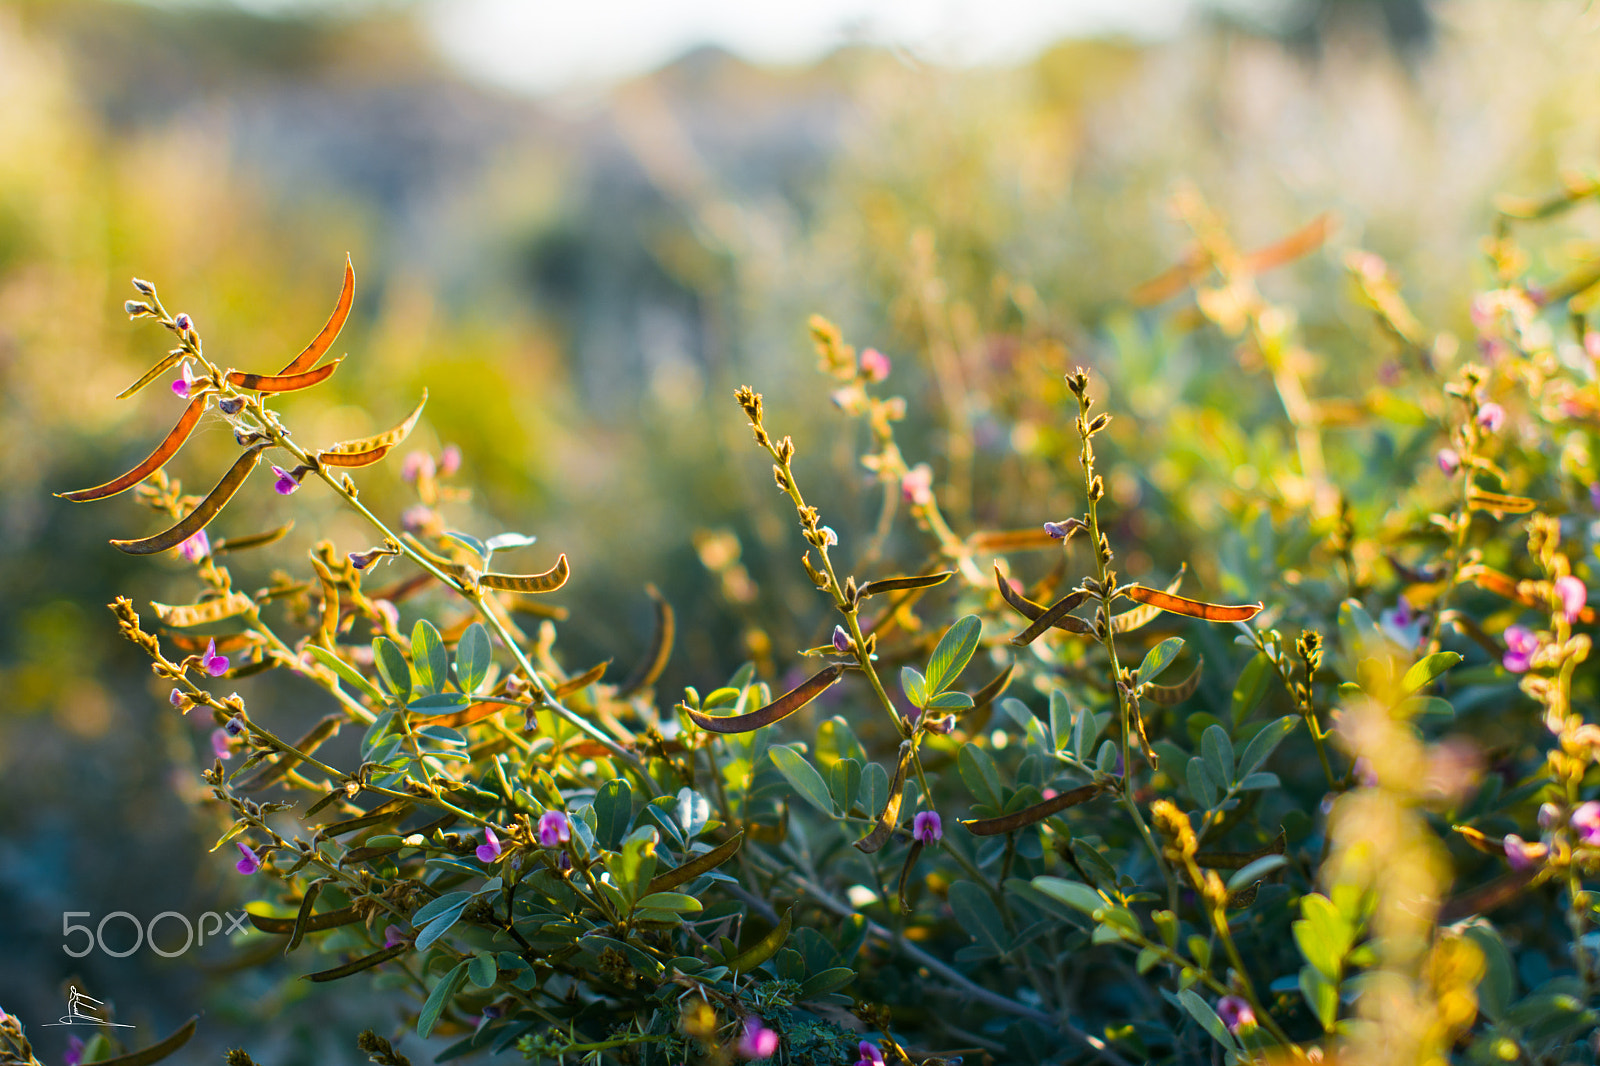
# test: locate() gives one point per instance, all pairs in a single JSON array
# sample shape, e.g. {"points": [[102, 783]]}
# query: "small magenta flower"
{"points": [[1449, 461], [1491, 417], [215, 665], [185, 383], [251, 861], [1521, 854], [554, 829], [417, 464], [926, 828], [179, 700], [286, 483], [1520, 646], [392, 935], [917, 484], [234, 726], [449, 460], [1574, 597], [1586, 820], [1235, 1013], [490, 849], [74, 1052], [841, 640], [417, 518], [183, 321], [220, 744], [874, 364], [868, 1053], [1549, 815], [196, 547], [757, 1041]]}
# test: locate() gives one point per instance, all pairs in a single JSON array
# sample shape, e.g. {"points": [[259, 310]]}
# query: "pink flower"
{"points": [[392, 935], [251, 861], [1491, 416], [196, 547], [179, 700], [757, 1041], [926, 828], [1549, 815], [388, 611], [1591, 343], [183, 321], [1361, 770], [869, 1054], [874, 364], [554, 829], [1521, 854], [416, 465], [1520, 646], [1574, 597], [449, 460], [1449, 461], [1235, 1013], [185, 383], [215, 665], [917, 484], [841, 640], [286, 483], [1586, 820], [490, 849], [220, 745]]}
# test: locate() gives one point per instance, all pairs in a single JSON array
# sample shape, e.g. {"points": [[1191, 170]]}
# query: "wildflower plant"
{"points": [[1025, 798]]}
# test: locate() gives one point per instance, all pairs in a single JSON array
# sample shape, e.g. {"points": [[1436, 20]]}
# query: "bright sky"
{"points": [[548, 46]]}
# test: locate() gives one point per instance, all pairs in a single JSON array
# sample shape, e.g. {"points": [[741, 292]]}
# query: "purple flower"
{"points": [[196, 547], [449, 460], [183, 321], [392, 935], [1586, 820], [416, 465], [251, 861], [185, 383], [1361, 770], [1574, 597], [926, 827], [1491, 416], [215, 665], [74, 1053], [1235, 1013], [490, 849], [1549, 815], [869, 1054], [1594, 495], [178, 699], [389, 612], [286, 483], [362, 560], [219, 744], [231, 406], [917, 484], [1062, 530], [841, 640], [1521, 854], [874, 364], [942, 726], [554, 829], [234, 726], [757, 1042], [1520, 646], [1449, 461]]}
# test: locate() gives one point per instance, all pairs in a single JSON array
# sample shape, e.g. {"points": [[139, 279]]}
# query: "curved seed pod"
{"points": [[1010, 823], [1051, 617], [1167, 695], [153, 462], [548, 581], [991, 692], [777, 710], [366, 962], [285, 926], [156, 1052], [473, 713], [226, 645], [765, 948], [368, 450], [384, 812], [1238, 860], [1487, 897], [323, 341], [1128, 621], [1242, 898], [283, 382], [1495, 501], [253, 540], [307, 902], [889, 820], [199, 614], [660, 650], [1487, 844], [198, 518], [1211, 612], [696, 866], [901, 584], [170, 360], [1000, 541], [1028, 609], [581, 682]]}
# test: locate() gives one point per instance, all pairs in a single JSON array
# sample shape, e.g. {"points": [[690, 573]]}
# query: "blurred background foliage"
{"points": [[581, 287]]}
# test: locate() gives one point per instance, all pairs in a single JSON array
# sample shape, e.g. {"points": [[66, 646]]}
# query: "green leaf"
{"points": [[438, 703], [432, 910], [1158, 659], [802, 776], [677, 902], [1201, 1011], [976, 912], [835, 741], [1060, 718], [914, 685], [392, 667], [482, 969], [978, 771], [1202, 786], [346, 672], [1251, 687], [439, 926], [472, 657], [1323, 935], [1074, 894], [829, 980], [504, 541], [953, 652], [1321, 995], [1257, 781], [844, 783], [613, 810], [1255, 871], [468, 541], [874, 788], [1426, 669], [765, 948], [440, 998], [1217, 750], [694, 811], [950, 701], [1264, 743], [427, 652], [1499, 982]]}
